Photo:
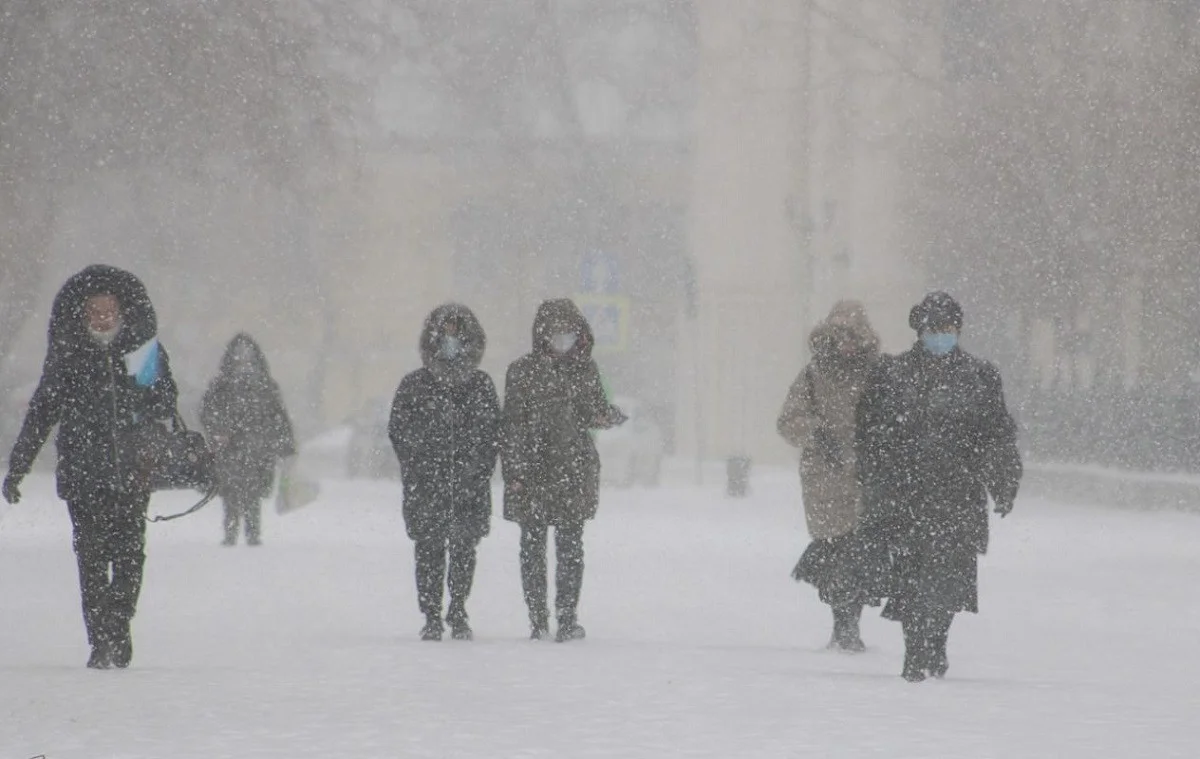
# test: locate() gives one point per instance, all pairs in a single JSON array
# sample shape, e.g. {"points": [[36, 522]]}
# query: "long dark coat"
{"points": [[444, 427], [551, 403], [243, 414], [934, 439], [100, 396]]}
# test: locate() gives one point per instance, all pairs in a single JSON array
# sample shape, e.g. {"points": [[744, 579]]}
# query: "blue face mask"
{"points": [[939, 343], [451, 348]]}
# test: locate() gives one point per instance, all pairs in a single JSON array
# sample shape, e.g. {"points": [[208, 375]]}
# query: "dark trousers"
{"points": [[242, 509], [110, 547], [432, 556], [925, 637], [568, 548]]}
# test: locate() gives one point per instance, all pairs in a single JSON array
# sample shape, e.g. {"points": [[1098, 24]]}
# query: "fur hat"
{"points": [[938, 310]]}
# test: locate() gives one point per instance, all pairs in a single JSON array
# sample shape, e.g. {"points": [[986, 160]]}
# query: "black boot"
{"points": [[569, 628], [939, 664], [121, 647], [915, 650], [846, 634], [433, 628], [100, 657], [460, 627], [539, 624]]}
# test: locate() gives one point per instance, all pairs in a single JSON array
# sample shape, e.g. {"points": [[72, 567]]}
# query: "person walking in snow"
{"points": [[243, 413], [444, 427], [105, 377], [818, 417], [553, 399], [934, 439]]}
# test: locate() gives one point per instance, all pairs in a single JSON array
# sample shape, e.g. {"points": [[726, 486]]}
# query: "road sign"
{"points": [[608, 316], [598, 272]]}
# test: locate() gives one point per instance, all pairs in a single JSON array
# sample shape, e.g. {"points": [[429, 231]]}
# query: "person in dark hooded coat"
{"points": [[553, 399], [444, 427], [105, 377], [934, 439], [243, 413]]}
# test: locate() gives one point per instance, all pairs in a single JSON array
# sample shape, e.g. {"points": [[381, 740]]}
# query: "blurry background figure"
{"points": [[818, 418], [553, 399], [250, 432], [444, 425], [105, 378], [934, 440]]}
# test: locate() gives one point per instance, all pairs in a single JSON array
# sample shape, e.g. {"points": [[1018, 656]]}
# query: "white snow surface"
{"points": [[699, 643]]}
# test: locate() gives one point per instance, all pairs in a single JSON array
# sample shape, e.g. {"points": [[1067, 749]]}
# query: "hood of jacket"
{"points": [[846, 318], [68, 329], [469, 330], [557, 316]]}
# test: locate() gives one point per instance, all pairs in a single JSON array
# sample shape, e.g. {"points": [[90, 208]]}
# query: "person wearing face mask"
{"points": [[818, 418], [444, 427], [553, 399], [934, 439], [105, 375], [243, 414]]}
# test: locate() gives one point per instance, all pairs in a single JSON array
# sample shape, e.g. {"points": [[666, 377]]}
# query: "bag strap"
{"points": [[207, 499]]}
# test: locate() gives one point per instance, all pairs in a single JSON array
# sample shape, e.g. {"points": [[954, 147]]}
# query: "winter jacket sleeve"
{"points": [[518, 456], [45, 409], [485, 428], [285, 435], [798, 418], [400, 424], [599, 414], [1002, 468]]}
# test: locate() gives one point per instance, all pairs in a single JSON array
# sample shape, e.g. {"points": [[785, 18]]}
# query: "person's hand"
{"points": [[12, 488], [1003, 508], [514, 486], [614, 417], [828, 445]]}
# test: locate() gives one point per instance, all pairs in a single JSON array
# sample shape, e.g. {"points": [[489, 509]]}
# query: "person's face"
{"points": [[102, 313]]}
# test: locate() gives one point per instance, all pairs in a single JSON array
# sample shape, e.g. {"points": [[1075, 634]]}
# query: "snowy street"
{"points": [[699, 643]]}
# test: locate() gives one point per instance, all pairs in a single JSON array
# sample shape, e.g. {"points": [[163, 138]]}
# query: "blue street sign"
{"points": [[608, 316], [598, 272]]}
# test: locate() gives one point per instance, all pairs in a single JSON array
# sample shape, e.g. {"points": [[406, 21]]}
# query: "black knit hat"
{"points": [[938, 310]]}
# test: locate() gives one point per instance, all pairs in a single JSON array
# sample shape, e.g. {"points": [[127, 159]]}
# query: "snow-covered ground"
{"points": [[699, 645]]}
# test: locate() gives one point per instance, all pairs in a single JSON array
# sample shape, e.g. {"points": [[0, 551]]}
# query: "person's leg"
{"points": [[430, 556], [126, 546], [846, 633], [568, 545], [252, 514], [939, 634], [915, 647], [232, 512], [88, 543], [462, 576], [533, 576]]}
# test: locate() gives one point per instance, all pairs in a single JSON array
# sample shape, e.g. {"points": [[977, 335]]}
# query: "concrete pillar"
{"points": [[747, 340]]}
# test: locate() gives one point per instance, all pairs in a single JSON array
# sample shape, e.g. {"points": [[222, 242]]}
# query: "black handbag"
{"points": [[176, 458]]}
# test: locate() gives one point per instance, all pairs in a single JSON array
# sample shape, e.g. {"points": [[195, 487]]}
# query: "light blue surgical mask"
{"points": [[563, 342], [939, 343], [451, 347]]}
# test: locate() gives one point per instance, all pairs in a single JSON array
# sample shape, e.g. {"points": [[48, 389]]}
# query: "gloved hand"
{"points": [[828, 445], [1003, 508], [12, 488]]}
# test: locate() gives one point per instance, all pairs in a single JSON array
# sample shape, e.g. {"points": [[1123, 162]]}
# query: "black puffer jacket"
{"points": [[551, 404], [247, 424], [100, 396], [444, 427]]}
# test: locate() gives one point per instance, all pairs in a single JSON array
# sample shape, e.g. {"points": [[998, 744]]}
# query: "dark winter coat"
{"points": [[818, 417], [243, 414], [100, 396], [551, 403], [444, 427], [934, 439]]}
